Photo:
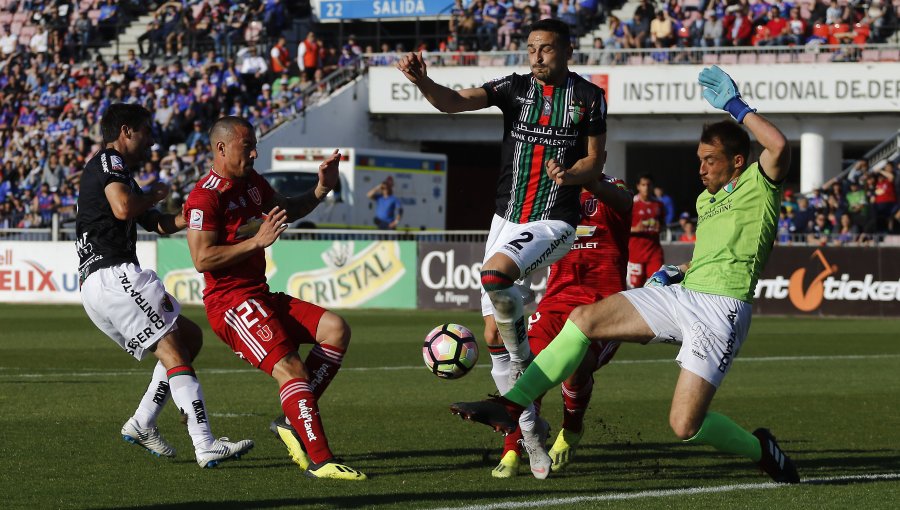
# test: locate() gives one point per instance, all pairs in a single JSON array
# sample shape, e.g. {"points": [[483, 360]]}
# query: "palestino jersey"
{"points": [[543, 122], [595, 267], [736, 228], [234, 210]]}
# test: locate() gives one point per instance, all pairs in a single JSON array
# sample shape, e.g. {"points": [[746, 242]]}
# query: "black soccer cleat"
{"points": [[774, 461], [492, 412]]}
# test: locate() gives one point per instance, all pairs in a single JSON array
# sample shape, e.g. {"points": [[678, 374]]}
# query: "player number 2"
{"points": [[517, 243], [245, 309]]}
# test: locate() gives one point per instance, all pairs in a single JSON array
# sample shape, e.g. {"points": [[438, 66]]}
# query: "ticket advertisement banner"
{"points": [[47, 272], [332, 274]]}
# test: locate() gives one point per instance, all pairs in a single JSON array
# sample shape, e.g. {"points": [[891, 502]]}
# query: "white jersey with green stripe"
{"points": [[543, 122], [735, 232]]}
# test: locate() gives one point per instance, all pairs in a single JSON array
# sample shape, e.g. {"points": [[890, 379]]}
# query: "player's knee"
{"points": [[333, 330], [190, 336], [682, 425]]}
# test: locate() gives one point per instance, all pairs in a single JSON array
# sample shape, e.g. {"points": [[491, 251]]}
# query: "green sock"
{"points": [[725, 435], [552, 366]]}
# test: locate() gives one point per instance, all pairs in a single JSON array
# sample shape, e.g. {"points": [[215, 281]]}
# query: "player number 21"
{"points": [[245, 309]]}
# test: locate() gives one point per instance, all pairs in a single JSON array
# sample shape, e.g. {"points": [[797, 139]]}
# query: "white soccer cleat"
{"points": [[149, 439], [222, 449], [533, 442]]}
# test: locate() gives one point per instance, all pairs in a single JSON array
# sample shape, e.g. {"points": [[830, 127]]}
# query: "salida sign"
{"points": [[830, 281]]}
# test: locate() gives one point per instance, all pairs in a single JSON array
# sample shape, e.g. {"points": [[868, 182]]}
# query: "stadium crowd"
{"points": [[52, 94], [202, 59]]}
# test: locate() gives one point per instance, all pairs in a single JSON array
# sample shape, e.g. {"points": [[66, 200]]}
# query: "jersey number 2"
{"points": [[517, 243]]}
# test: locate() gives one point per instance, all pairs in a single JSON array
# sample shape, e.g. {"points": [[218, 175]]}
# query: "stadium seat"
{"points": [[727, 59], [767, 58], [747, 59], [20, 17], [890, 55], [760, 33], [807, 58], [821, 31], [825, 56], [836, 30], [635, 60], [861, 34], [5, 18], [785, 58], [253, 32], [710, 59]]}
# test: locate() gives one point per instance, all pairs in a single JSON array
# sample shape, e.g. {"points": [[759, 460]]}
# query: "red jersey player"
{"points": [[233, 215], [645, 253], [591, 271]]}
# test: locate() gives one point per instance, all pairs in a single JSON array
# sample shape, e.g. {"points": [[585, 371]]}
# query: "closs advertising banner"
{"points": [[450, 276], [332, 274]]}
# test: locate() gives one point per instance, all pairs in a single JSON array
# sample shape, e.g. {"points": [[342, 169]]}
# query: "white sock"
{"points": [[500, 370], [154, 399], [509, 315], [188, 396]]}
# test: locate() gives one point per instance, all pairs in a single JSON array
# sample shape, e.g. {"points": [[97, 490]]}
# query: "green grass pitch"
{"points": [[828, 388]]}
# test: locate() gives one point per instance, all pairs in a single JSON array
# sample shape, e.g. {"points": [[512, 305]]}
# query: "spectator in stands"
{"points": [[253, 72], [280, 57], [9, 42], [388, 208], [616, 39], [834, 13], [274, 18], [308, 56], [737, 26], [108, 22], [152, 36], [803, 216], [491, 15], [198, 137], [39, 42], [882, 20], [795, 32], [689, 235], [847, 233], [819, 231], [778, 28], [567, 12], [712, 30], [818, 13], [509, 27], [637, 31], [885, 199], [858, 205], [785, 226], [668, 204], [662, 30]]}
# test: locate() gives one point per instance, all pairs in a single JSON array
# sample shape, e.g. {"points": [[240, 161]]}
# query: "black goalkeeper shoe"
{"points": [[774, 461], [495, 412]]}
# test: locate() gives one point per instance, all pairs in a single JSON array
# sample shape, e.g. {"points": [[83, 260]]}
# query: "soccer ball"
{"points": [[450, 351]]}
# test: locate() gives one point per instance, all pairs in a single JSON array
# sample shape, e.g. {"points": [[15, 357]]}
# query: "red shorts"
{"points": [[547, 322], [266, 327], [641, 267]]}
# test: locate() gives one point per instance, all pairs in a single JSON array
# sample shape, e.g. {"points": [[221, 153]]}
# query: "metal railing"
{"points": [[444, 236], [811, 53]]}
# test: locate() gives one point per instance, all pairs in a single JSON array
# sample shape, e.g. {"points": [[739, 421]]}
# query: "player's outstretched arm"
{"points": [[586, 169], [775, 159], [722, 92], [616, 196], [445, 99], [208, 255], [299, 206]]}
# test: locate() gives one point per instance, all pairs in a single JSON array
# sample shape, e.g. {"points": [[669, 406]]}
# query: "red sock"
{"points": [[511, 442], [299, 405], [322, 364], [575, 403]]}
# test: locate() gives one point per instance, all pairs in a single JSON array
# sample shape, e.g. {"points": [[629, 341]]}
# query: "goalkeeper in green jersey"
{"points": [[706, 309]]}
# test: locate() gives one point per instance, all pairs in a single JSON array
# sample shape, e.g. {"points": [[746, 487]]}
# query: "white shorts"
{"points": [[530, 245], [710, 328], [131, 306]]}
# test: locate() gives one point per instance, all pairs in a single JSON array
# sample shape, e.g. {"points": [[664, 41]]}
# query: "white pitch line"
{"points": [[136, 371], [669, 492]]}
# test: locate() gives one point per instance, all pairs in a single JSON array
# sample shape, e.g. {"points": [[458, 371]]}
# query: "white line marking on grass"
{"points": [[690, 491], [140, 371]]}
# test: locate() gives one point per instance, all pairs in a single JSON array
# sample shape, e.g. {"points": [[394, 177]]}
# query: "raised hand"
{"points": [[329, 173], [271, 227], [722, 92], [412, 65]]}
